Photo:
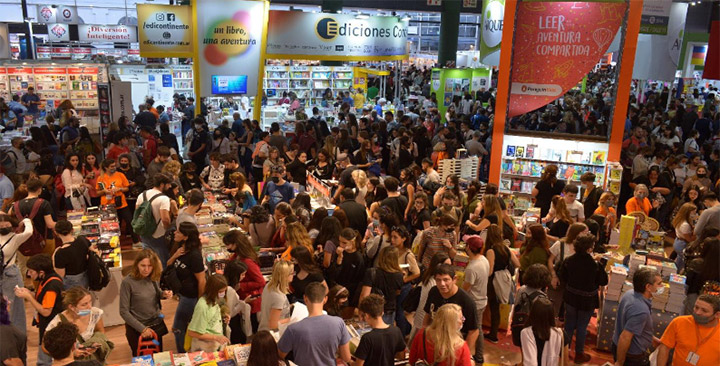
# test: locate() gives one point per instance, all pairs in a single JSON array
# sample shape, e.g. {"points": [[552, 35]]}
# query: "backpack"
{"points": [[10, 164], [36, 242], [143, 222], [521, 313], [97, 271]]}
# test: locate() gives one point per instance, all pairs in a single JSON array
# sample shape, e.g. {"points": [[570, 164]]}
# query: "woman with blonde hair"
{"points": [[79, 311], [172, 168], [683, 224], [561, 221], [140, 296], [361, 181], [441, 343], [295, 235], [386, 280], [275, 308]]}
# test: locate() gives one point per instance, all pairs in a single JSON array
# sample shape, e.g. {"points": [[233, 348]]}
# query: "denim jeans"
{"points": [[76, 280], [679, 247], [183, 315], [158, 246], [576, 319], [400, 319], [481, 337], [389, 317], [11, 278]]}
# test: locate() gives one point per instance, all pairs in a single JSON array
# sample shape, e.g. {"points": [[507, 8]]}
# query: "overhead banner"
{"points": [[655, 17], [493, 13], [230, 34], [325, 36], [107, 33], [556, 45], [57, 14], [4, 42], [58, 32], [663, 50], [165, 30]]}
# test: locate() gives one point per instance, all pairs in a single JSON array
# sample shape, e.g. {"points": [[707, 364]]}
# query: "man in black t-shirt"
{"points": [[199, 145], [380, 346], [446, 291], [345, 179], [396, 202], [43, 221], [355, 212]]}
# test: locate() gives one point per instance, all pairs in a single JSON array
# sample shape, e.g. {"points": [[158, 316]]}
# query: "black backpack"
{"points": [[521, 313], [97, 271]]}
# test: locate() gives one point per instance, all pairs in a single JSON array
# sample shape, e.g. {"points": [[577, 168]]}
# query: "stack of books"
{"points": [[668, 269], [615, 284], [635, 261], [676, 298], [627, 286]]}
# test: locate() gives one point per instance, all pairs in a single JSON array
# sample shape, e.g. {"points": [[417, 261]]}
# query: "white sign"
{"points": [[57, 14], [4, 42], [58, 32], [664, 50], [492, 26], [107, 33], [336, 36], [121, 102]]}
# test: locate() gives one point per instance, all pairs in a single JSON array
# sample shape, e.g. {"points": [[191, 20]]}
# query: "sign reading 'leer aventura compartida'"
{"points": [[335, 36]]}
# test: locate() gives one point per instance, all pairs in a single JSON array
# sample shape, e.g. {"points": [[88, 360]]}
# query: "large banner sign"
{"points": [[556, 44], [493, 14], [230, 36], [655, 17], [324, 36], [663, 50], [165, 30], [107, 33]]}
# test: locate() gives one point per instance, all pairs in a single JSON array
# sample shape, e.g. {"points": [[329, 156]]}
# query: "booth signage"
{"points": [[107, 33], [58, 32], [556, 45], [57, 14], [324, 36], [4, 42], [664, 50], [655, 17], [493, 13], [165, 30], [230, 35]]}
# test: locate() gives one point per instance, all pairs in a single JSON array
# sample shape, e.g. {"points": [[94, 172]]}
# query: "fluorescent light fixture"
{"points": [[405, 17], [362, 16]]}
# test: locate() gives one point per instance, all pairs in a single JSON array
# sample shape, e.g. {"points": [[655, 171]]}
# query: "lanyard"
{"points": [[701, 342]]}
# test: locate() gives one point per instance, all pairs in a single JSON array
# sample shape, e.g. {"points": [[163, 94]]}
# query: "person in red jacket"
{"points": [[253, 284]]}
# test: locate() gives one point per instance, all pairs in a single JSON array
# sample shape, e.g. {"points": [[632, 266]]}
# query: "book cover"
{"points": [[526, 170], [181, 359], [574, 156], [527, 187], [516, 185], [598, 157], [536, 169], [614, 187], [241, 355], [505, 184], [557, 155], [615, 174], [530, 151], [146, 360], [519, 151], [163, 359], [510, 151]]}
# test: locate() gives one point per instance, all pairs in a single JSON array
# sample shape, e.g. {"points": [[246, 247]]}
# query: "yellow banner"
{"points": [[165, 30]]}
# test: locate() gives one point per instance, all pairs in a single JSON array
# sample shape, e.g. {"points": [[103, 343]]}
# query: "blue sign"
{"points": [[167, 81], [229, 84]]}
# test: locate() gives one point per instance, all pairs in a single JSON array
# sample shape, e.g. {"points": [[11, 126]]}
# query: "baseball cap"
{"points": [[474, 243]]}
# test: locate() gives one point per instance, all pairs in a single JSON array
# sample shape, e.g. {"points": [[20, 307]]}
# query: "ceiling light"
{"points": [[362, 16], [405, 18]]}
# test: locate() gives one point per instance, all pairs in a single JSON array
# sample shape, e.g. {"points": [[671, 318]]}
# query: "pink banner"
{"points": [[556, 45]]}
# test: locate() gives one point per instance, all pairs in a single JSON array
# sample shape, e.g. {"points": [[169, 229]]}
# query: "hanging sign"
{"points": [[58, 32], [57, 14], [165, 30], [556, 45], [107, 33], [655, 17], [324, 36], [230, 34], [493, 14], [663, 50]]}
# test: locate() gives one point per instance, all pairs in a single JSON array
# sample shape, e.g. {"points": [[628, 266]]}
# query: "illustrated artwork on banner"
{"points": [[556, 45]]}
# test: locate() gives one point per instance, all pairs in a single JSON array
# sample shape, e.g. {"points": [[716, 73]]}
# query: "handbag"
{"points": [[158, 326], [412, 300]]}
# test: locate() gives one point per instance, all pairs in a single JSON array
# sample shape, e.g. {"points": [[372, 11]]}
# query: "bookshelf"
{"points": [[308, 82]]}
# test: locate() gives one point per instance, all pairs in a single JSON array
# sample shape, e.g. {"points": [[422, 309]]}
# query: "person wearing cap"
{"points": [[345, 179], [476, 283], [277, 189]]}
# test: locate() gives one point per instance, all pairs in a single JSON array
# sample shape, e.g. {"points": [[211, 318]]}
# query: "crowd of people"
{"points": [[386, 250]]}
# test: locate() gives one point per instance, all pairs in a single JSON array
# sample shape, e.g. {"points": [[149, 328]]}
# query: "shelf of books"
{"points": [[53, 84], [308, 82], [524, 159], [182, 78]]}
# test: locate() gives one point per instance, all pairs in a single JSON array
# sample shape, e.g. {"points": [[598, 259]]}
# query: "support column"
{"points": [[449, 31], [331, 6]]}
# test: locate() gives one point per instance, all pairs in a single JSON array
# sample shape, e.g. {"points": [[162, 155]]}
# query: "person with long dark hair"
{"points": [[329, 238], [306, 271], [536, 248], [499, 257], [548, 187], [347, 267], [542, 342], [91, 171], [77, 196], [190, 268], [251, 285], [264, 351]]}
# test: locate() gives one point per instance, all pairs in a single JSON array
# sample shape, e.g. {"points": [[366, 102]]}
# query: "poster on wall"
{"points": [[107, 33], [165, 30], [557, 44], [324, 36], [230, 34], [664, 50], [493, 13]]}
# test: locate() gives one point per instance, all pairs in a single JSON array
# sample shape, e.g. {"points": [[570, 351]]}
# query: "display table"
{"points": [[108, 299]]}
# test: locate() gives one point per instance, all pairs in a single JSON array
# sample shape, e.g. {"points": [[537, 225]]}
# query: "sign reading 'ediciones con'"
{"points": [[165, 30], [336, 36]]}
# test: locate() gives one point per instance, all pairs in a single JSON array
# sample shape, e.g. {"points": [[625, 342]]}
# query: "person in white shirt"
{"points": [[161, 213], [430, 174], [475, 284], [577, 210], [9, 244]]}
